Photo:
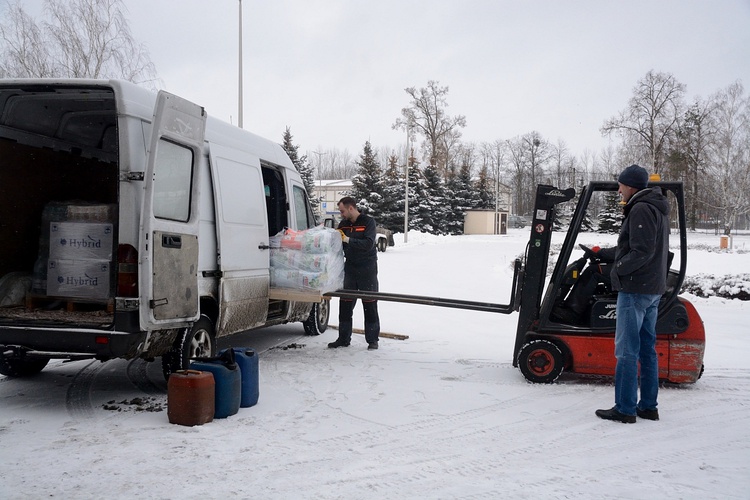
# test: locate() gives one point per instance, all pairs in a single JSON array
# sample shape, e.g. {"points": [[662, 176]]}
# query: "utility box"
{"points": [[485, 222]]}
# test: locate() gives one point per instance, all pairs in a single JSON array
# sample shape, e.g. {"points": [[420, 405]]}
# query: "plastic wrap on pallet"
{"points": [[307, 260]]}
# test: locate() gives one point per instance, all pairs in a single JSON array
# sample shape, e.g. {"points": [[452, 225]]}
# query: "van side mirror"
{"points": [[328, 222]]}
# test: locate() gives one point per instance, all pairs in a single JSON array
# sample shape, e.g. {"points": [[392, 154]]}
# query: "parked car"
{"points": [[384, 238], [516, 221]]}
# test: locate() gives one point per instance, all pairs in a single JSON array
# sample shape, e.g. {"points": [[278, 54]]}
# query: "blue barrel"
{"points": [[228, 385], [247, 359]]}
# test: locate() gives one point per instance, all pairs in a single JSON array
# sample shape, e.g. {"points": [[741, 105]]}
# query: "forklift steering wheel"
{"points": [[589, 254]]}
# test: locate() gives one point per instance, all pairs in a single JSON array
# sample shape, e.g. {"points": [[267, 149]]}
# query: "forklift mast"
{"points": [[534, 269]]}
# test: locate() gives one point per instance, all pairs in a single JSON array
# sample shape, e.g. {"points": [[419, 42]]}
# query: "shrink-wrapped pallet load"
{"points": [[308, 260]]}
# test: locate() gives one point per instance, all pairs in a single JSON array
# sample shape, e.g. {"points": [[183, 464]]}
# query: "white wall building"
{"points": [[329, 192]]}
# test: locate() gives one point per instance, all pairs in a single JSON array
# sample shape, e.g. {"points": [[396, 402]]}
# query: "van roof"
{"points": [[137, 101]]}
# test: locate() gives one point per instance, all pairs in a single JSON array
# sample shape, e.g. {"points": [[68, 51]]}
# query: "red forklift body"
{"points": [[680, 356], [546, 345]]}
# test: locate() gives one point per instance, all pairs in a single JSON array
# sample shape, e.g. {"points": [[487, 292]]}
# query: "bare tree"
{"points": [[23, 53], [426, 116], [689, 155], [729, 167], [527, 156], [539, 155], [333, 163], [651, 117], [587, 165], [80, 39], [563, 165], [607, 165]]}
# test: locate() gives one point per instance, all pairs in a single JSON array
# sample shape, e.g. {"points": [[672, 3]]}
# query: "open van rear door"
{"points": [[168, 246]]}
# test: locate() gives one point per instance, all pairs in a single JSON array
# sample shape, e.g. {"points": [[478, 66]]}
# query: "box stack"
{"points": [[80, 259], [79, 252]]}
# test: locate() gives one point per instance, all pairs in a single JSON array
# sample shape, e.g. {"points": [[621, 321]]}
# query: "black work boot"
{"points": [[338, 343], [613, 414], [647, 414]]}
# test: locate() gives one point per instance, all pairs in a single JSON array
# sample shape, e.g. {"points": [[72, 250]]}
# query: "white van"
{"points": [[134, 225]]}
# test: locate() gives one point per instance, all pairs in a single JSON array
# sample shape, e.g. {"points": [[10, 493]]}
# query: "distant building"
{"points": [[329, 192]]}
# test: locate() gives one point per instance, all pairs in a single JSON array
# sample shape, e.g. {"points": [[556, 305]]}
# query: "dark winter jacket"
{"points": [[361, 250], [641, 256]]}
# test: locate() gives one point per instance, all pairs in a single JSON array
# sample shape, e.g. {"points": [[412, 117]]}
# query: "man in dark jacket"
{"points": [[360, 272], [639, 273]]}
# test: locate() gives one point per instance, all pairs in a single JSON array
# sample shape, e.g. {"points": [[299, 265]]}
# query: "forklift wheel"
{"points": [[540, 361]]}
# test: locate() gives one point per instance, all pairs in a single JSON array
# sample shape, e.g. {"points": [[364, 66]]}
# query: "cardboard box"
{"points": [[84, 279], [80, 241]]}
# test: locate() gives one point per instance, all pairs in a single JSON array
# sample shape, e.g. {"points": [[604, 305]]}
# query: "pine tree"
{"points": [[461, 196], [610, 218], [467, 193], [436, 205], [587, 224], [419, 217], [367, 183], [303, 167], [392, 208], [485, 189], [454, 190]]}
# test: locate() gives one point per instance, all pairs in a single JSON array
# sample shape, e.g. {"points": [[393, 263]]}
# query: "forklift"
{"points": [[545, 344]]}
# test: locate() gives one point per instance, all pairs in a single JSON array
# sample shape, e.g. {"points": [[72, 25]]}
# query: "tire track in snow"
{"points": [[78, 397], [138, 374]]}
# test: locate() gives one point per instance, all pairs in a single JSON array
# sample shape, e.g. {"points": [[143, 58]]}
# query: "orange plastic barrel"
{"points": [[190, 397]]}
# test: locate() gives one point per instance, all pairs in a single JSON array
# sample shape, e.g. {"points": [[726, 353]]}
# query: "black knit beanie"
{"points": [[634, 176]]}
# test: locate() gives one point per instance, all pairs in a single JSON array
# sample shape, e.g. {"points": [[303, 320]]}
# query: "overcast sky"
{"points": [[335, 70]]}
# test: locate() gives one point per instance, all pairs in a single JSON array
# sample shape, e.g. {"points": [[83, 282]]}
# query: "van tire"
{"points": [[22, 367], [317, 322], [198, 341]]}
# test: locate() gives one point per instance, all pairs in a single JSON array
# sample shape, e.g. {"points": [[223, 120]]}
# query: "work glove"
{"points": [[344, 237]]}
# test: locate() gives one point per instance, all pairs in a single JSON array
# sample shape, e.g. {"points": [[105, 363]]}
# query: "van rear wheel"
{"points": [[317, 322], [199, 341]]}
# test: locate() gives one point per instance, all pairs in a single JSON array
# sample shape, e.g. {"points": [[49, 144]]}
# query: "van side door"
{"points": [[241, 237], [168, 246]]}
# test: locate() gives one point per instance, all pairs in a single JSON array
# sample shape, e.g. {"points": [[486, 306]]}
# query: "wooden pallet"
{"points": [[71, 304], [296, 295]]}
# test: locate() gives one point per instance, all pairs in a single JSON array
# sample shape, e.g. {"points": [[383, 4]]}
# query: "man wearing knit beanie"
{"points": [[639, 274], [634, 176]]}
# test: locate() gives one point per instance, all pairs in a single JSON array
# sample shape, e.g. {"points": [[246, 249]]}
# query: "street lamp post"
{"points": [[320, 183], [406, 189], [239, 114]]}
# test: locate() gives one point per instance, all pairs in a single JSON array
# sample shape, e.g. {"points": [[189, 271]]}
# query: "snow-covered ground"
{"points": [[440, 415]]}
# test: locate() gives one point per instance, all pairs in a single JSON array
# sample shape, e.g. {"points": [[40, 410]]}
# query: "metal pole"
{"points": [[319, 194], [497, 198], [406, 189], [239, 114]]}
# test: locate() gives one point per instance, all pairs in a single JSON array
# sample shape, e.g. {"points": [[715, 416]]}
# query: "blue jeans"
{"points": [[635, 341]]}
